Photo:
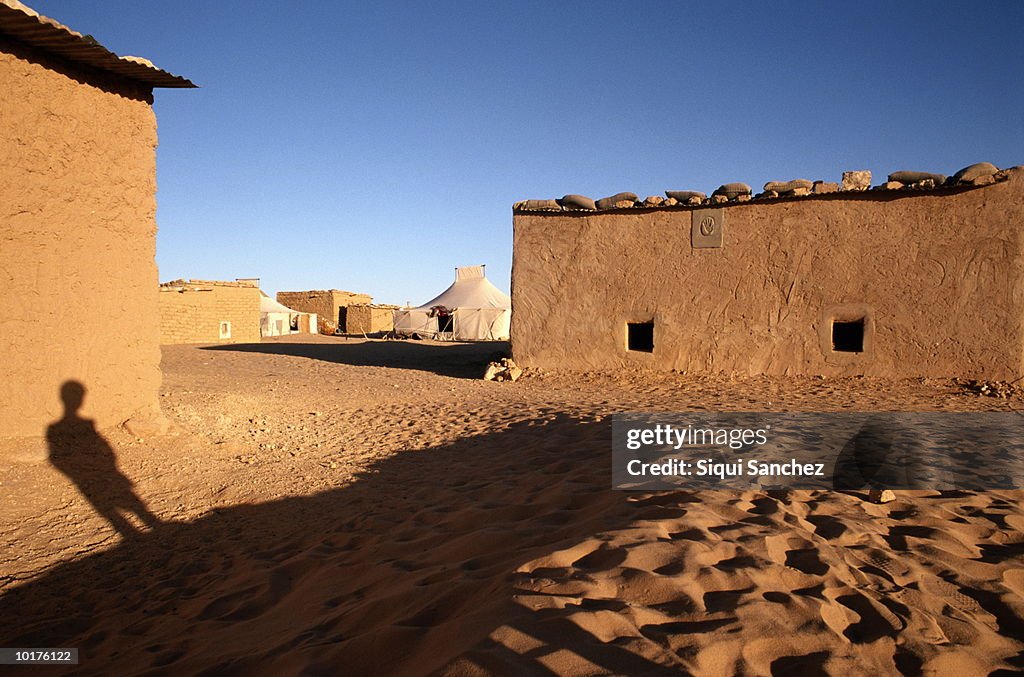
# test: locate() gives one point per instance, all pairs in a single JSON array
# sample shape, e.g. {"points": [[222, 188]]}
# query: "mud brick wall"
{"points": [[326, 303], [367, 319], [936, 278], [193, 314], [78, 278]]}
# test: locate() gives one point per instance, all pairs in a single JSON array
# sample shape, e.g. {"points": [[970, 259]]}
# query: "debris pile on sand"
{"points": [[1001, 389], [503, 370]]}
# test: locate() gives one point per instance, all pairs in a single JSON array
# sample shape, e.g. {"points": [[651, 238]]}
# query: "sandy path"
{"points": [[350, 507]]}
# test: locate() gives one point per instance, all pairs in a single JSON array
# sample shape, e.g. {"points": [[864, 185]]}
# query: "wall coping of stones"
{"points": [[198, 285], [324, 291], [882, 192]]}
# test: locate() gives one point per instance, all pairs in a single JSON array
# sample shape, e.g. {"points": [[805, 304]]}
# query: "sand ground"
{"points": [[333, 506]]}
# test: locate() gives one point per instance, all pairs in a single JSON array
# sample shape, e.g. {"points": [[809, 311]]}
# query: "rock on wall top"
{"points": [[972, 176]]}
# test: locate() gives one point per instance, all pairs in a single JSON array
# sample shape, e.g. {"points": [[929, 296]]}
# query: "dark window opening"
{"points": [[848, 337], [640, 336]]}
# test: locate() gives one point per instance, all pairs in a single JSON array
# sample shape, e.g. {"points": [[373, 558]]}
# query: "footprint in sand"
{"points": [[807, 560], [602, 559], [694, 534], [806, 664], [659, 631], [1014, 580], [778, 545], [674, 568], [764, 506], [879, 563], [796, 553], [826, 526], [859, 618], [256, 600], [737, 563], [677, 607], [724, 600], [923, 623], [951, 594]]}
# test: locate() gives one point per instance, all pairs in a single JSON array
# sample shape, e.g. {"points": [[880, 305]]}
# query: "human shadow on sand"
{"points": [[458, 360], [410, 567], [883, 454], [78, 451]]}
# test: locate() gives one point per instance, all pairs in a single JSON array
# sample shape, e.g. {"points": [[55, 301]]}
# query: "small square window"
{"points": [[640, 336], [225, 330], [848, 336]]}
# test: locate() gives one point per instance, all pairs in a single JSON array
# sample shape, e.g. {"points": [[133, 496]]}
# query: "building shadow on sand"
{"points": [[407, 569], [458, 360]]}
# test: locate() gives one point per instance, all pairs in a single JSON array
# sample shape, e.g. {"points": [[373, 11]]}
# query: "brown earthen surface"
{"points": [[193, 313], [78, 278], [937, 278], [347, 507]]}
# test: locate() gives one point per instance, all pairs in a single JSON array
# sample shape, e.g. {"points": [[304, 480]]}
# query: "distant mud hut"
{"points": [[365, 318], [209, 311], [329, 305]]}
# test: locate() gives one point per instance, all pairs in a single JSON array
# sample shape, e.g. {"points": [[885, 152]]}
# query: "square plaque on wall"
{"points": [[706, 228]]}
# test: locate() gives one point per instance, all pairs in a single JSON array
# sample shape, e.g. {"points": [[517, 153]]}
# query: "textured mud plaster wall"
{"points": [[78, 278], [195, 314], [366, 319], [319, 302], [939, 278]]}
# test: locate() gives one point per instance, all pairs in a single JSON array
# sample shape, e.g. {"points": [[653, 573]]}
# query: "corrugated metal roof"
{"points": [[27, 26]]}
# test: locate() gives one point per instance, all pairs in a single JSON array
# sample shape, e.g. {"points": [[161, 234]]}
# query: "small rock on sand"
{"points": [[881, 496]]}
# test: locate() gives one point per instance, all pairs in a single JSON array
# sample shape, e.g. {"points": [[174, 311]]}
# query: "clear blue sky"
{"points": [[374, 147]]}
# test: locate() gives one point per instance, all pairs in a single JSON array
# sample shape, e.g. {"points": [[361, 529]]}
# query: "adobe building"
{"points": [[328, 304], [366, 318], [209, 311], [924, 279], [78, 278]]}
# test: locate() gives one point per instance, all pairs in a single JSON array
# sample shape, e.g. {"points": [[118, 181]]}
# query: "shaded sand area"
{"points": [[362, 507]]}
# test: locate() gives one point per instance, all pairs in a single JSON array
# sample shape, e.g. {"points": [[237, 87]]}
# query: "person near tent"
{"points": [[444, 318]]}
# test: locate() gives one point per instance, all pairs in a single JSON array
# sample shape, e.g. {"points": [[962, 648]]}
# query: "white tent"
{"points": [[479, 311], [277, 319]]}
